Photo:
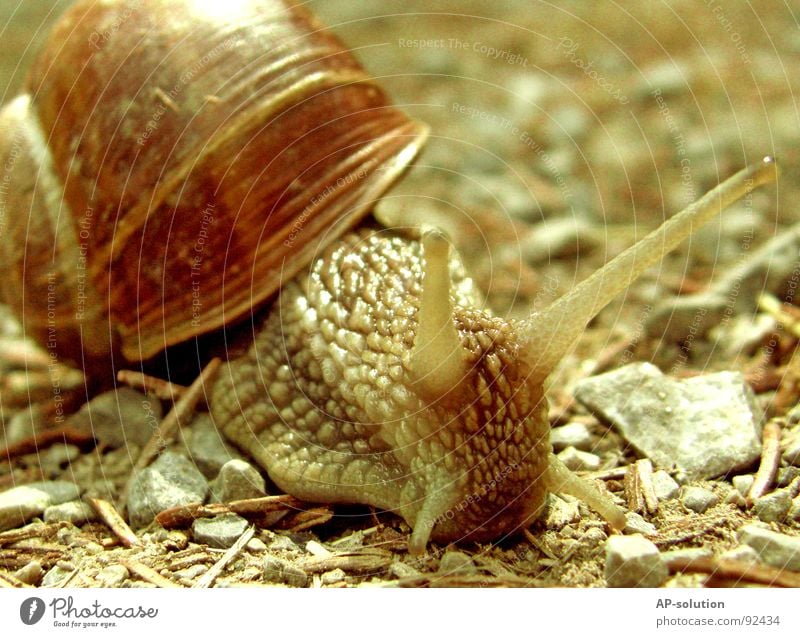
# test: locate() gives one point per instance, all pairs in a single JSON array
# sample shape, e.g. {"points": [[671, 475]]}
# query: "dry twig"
{"points": [[210, 576], [148, 574], [182, 516], [114, 521], [750, 572], [158, 387]]}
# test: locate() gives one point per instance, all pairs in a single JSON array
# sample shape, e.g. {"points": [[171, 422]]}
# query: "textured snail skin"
{"points": [[325, 400]]}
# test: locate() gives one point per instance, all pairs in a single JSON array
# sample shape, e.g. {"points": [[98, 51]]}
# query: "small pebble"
{"points": [[792, 453], [31, 573], [579, 460], [698, 499], [637, 524], [633, 561], [772, 507], [787, 475], [192, 572], [456, 563], [317, 550], [113, 576], [172, 480], [57, 457], [283, 543], [55, 576], [742, 553], [574, 434], [665, 487], [21, 504], [76, 512], [335, 576], [238, 480], [794, 511], [401, 570], [221, 531], [775, 549], [282, 571], [561, 510], [743, 483], [256, 546], [692, 553], [736, 499]]}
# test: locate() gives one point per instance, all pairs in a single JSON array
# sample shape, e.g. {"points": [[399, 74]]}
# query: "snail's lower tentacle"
{"points": [[560, 479]]}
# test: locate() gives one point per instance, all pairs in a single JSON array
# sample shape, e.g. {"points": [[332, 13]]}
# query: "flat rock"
{"points": [[170, 481], [579, 460], [573, 434], [219, 532], [705, 426], [637, 524], [665, 487], [21, 504], [633, 561], [456, 563], [741, 553], [743, 483], [698, 499], [775, 549], [238, 480], [119, 417]]}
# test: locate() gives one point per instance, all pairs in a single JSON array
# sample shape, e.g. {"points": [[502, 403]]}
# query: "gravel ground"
{"points": [[560, 134]]}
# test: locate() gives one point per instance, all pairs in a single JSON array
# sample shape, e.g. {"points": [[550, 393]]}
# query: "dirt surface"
{"points": [[596, 120]]}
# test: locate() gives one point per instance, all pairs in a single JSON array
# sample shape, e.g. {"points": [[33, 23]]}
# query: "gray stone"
{"points": [[170, 481], [792, 453], [21, 504], [633, 561], [208, 449], [742, 553], [401, 570], [256, 546], [238, 480], [283, 543], [59, 491], [574, 434], [787, 475], [57, 458], [775, 549], [112, 576], [31, 573], [705, 426], [773, 507], [692, 553], [282, 571], [76, 512], [794, 510], [698, 499], [120, 417], [637, 524], [221, 531], [335, 576], [192, 572], [456, 563], [665, 487], [743, 483], [558, 238], [55, 576], [579, 460]]}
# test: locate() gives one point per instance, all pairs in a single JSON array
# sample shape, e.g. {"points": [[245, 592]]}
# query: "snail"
{"points": [[177, 166]]}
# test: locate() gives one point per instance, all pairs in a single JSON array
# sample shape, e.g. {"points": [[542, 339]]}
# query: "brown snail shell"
{"points": [[181, 159]]}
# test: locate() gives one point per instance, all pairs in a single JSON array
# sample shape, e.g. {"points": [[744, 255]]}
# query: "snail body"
{"points": [[376, 376]]}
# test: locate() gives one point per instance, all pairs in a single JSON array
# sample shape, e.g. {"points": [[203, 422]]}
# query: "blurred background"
{"points": [[561, 131]]}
